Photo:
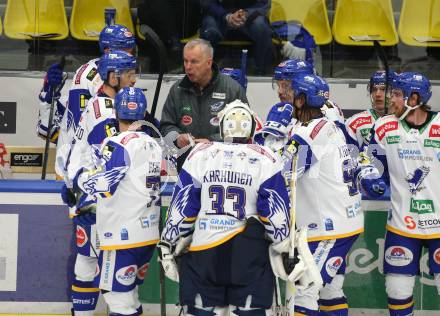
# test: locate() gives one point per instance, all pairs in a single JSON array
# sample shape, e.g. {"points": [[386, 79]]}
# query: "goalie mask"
{"points": [[237, 122]]}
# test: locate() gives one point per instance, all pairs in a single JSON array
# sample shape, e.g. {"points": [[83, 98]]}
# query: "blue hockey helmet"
{"points": [[413, 82], [287, 69], [379, 78], [116, 37], [237, 75], [130, 104], [116, 61], [313, 87]]}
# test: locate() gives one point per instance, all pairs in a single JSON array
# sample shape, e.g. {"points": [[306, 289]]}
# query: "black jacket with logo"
{"points": [[189, 110]]}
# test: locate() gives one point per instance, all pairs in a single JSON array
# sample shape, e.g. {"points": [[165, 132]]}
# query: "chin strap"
{"points": [[408, 109]]}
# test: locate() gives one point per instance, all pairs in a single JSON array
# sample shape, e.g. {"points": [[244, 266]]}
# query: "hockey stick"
{"points": [[50, 123], [243, 67], [290, 286], [157, 43]]}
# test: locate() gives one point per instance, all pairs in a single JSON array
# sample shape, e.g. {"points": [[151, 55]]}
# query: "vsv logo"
{"points": [[416, 178]]}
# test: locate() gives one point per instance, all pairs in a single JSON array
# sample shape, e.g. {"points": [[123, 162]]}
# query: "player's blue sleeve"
{"points": [[184, 207], [104, 181], [77, 102], [273, 207], [299, 147]]}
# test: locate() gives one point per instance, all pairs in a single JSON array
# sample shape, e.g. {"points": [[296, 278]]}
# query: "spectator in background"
{"points": [[249, 17]]}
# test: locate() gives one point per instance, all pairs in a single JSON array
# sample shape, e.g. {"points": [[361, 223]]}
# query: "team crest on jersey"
{"points": [[217, 106], [416, 178], [434, 131]]}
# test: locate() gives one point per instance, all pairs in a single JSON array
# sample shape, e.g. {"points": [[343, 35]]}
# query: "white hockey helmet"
{"points": [[236, 120]]}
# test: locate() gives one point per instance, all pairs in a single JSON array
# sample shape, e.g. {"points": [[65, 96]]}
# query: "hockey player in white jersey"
{"points": [[127, 186], [85, 84], [280, 119], [332, 217], [117, 70], [359, 125], [232, 195], [406, 146]]}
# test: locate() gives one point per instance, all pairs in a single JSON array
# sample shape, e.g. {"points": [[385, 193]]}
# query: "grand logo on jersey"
{"points": [[434, 131], [359, 122], [127, 275], [422, 206], [416, 178], [383, 129], [398, 256]]}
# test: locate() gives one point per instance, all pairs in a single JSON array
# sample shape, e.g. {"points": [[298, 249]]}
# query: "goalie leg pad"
{"points": [[122, 303]]}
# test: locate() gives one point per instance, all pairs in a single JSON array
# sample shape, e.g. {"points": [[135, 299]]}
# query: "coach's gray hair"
{"points": [[204, 45]]}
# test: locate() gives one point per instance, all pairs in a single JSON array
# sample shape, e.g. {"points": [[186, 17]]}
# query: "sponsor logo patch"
{"points": [[142, 271], [393, 139], [219, 95], [398, 256], [387, 127], [217, 106], [92, 73], [410, 223], [81, 236], [436, 256], [431, 143], [126, 275], [129, 137], [422, 206], [108, 103], [317, 128], [434, 131], [333, 264], [26, 159], [186, 120], [132, 105], [312, 226], [359, 122]]}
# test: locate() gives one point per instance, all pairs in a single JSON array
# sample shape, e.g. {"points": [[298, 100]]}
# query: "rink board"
{"points": [[35, 259]]}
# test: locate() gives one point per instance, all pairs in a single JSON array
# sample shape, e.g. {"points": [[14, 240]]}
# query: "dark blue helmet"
{"points": [[287, 69], [379, 78], [237, 75], [413, 82], [116, 61], [314, 87], [130, 104], [116, 37]]}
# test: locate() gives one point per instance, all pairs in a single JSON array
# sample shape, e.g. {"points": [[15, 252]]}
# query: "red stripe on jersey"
{"points": [[96, 109], [317, 128]]}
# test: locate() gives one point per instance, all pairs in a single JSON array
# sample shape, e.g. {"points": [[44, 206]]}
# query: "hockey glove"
{"points": [[166, 258], [279, 122], [85, 219], [289, 51], [68, 196], [53, 83], [369, 180]]}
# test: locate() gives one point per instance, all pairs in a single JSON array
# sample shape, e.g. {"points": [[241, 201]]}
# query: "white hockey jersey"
{"points": [[412, 163], [127, 185], [219, 187], [85, 84], [97, 122], [327, 201], [359, 126]]}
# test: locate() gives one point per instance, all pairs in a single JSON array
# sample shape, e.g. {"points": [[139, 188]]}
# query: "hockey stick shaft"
{"points": [[290, 286], [50, 123]]}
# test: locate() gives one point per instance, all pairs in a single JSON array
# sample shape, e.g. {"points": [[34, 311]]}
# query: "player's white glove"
{"points": [[290, 51], [331, 111], [168, 252]]}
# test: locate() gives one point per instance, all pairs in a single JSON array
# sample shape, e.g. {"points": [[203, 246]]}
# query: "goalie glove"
{"points": [[167, 254], [311, 275]]}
